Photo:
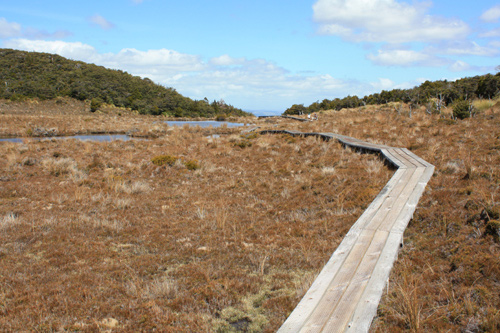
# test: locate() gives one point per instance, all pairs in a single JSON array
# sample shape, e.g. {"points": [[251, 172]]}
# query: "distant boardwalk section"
{"points": [[345, 295]]}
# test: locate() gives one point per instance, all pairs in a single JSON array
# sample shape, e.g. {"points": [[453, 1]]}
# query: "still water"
{"points": [[204, 123], [91, 137]]}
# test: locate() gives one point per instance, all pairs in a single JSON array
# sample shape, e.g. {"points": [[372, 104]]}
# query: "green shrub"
{"points": [[192, 165], [220, 117], [242, 143], [462, 109], [493, 229], [95, 104], [164, 159]]}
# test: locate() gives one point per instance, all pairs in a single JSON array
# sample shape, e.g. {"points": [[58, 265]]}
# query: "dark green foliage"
{"points": [[47, 76], [493, 229], [95, 104], [297, 109], [192, 165], [485, 86], [462, 109], [164, 159]]}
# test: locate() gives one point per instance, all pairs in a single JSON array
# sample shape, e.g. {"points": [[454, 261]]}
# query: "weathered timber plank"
{"points": [[367, 307], [349, 301], [339, 283], [400, 198], [403, 155]]}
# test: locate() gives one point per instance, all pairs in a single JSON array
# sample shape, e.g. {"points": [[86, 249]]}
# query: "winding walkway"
{"points": [[345, 295]]}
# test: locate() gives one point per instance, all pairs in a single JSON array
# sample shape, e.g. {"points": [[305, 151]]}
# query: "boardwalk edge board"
{"points": [[345, 295]]}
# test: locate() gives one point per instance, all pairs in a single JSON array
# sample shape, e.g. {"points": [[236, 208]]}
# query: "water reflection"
{"points": [[91, 137], [203, 124]]}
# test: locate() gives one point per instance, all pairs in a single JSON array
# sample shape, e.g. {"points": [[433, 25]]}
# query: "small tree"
{"points": [[463, 109], [95, 104]]}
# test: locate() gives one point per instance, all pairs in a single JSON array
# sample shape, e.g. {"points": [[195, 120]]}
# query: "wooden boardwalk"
{"points": [[345, 295]]}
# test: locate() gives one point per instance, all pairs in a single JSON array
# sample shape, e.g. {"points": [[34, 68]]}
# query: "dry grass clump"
{"points": [[228, 237]]}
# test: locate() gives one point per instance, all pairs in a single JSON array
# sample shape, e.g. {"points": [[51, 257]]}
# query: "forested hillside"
{"points": [[47, 76], [433, 95]]}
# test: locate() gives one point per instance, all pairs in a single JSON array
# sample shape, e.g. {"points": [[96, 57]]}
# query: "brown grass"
{"points": [[97, 236], [234, 244]]}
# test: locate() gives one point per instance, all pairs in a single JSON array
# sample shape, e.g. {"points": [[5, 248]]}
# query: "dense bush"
{"points": [[164, 159], [47, 76], [462, 109], [447, 92]]}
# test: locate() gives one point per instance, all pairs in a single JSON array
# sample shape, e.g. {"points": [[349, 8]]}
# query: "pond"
{"points": [[203, 123], [91, 137]]}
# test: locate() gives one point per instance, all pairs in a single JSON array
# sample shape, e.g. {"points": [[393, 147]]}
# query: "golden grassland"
{"points": [[183, 232], [179, 233]]}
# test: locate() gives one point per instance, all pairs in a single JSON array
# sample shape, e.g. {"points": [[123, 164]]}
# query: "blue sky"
{"points": [[265, 55]]}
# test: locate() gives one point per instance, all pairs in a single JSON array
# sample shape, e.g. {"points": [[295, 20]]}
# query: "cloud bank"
{"points": [[414, 37], [387, 21]]}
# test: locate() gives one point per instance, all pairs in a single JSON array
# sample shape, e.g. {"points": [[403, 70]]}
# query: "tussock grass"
{"points": [[9, 221], [226, 228], [235, 244]]}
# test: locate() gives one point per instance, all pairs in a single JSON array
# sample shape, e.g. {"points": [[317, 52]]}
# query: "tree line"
{"points": [[433, 95], [47, 76]]}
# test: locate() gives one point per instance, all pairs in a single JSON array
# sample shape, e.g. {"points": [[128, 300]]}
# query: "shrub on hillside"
{"points": [[95, 104], [462, 109], [192, 165], [164, 159]]}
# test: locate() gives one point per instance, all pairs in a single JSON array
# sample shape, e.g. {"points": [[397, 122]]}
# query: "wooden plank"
{"points": [[392, 158], [406, 215], [403, 155], [416, 157], [338, 284], [346, 306], [368, 304], [399, 202]]}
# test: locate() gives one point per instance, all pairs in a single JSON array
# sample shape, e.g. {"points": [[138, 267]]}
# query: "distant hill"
{"points": [[47, 76], [430, 94]]}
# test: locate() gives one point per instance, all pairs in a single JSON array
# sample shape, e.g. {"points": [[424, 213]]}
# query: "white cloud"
{"points": [[404, 58], [492, 14], [101, 22], [460, 66], [226, 60], [9, 29], [465, 48], [384, 21], [75, 50]]}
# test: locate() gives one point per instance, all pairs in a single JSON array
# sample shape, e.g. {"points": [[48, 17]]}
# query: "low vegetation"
{"points": [[184, 232], [111, 236]]}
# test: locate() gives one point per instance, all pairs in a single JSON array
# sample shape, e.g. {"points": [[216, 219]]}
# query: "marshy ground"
{"points": [[184, 232]]}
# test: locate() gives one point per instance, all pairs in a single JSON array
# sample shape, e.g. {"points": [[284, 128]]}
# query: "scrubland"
{"points": [[186, 232], [180, 232]]}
